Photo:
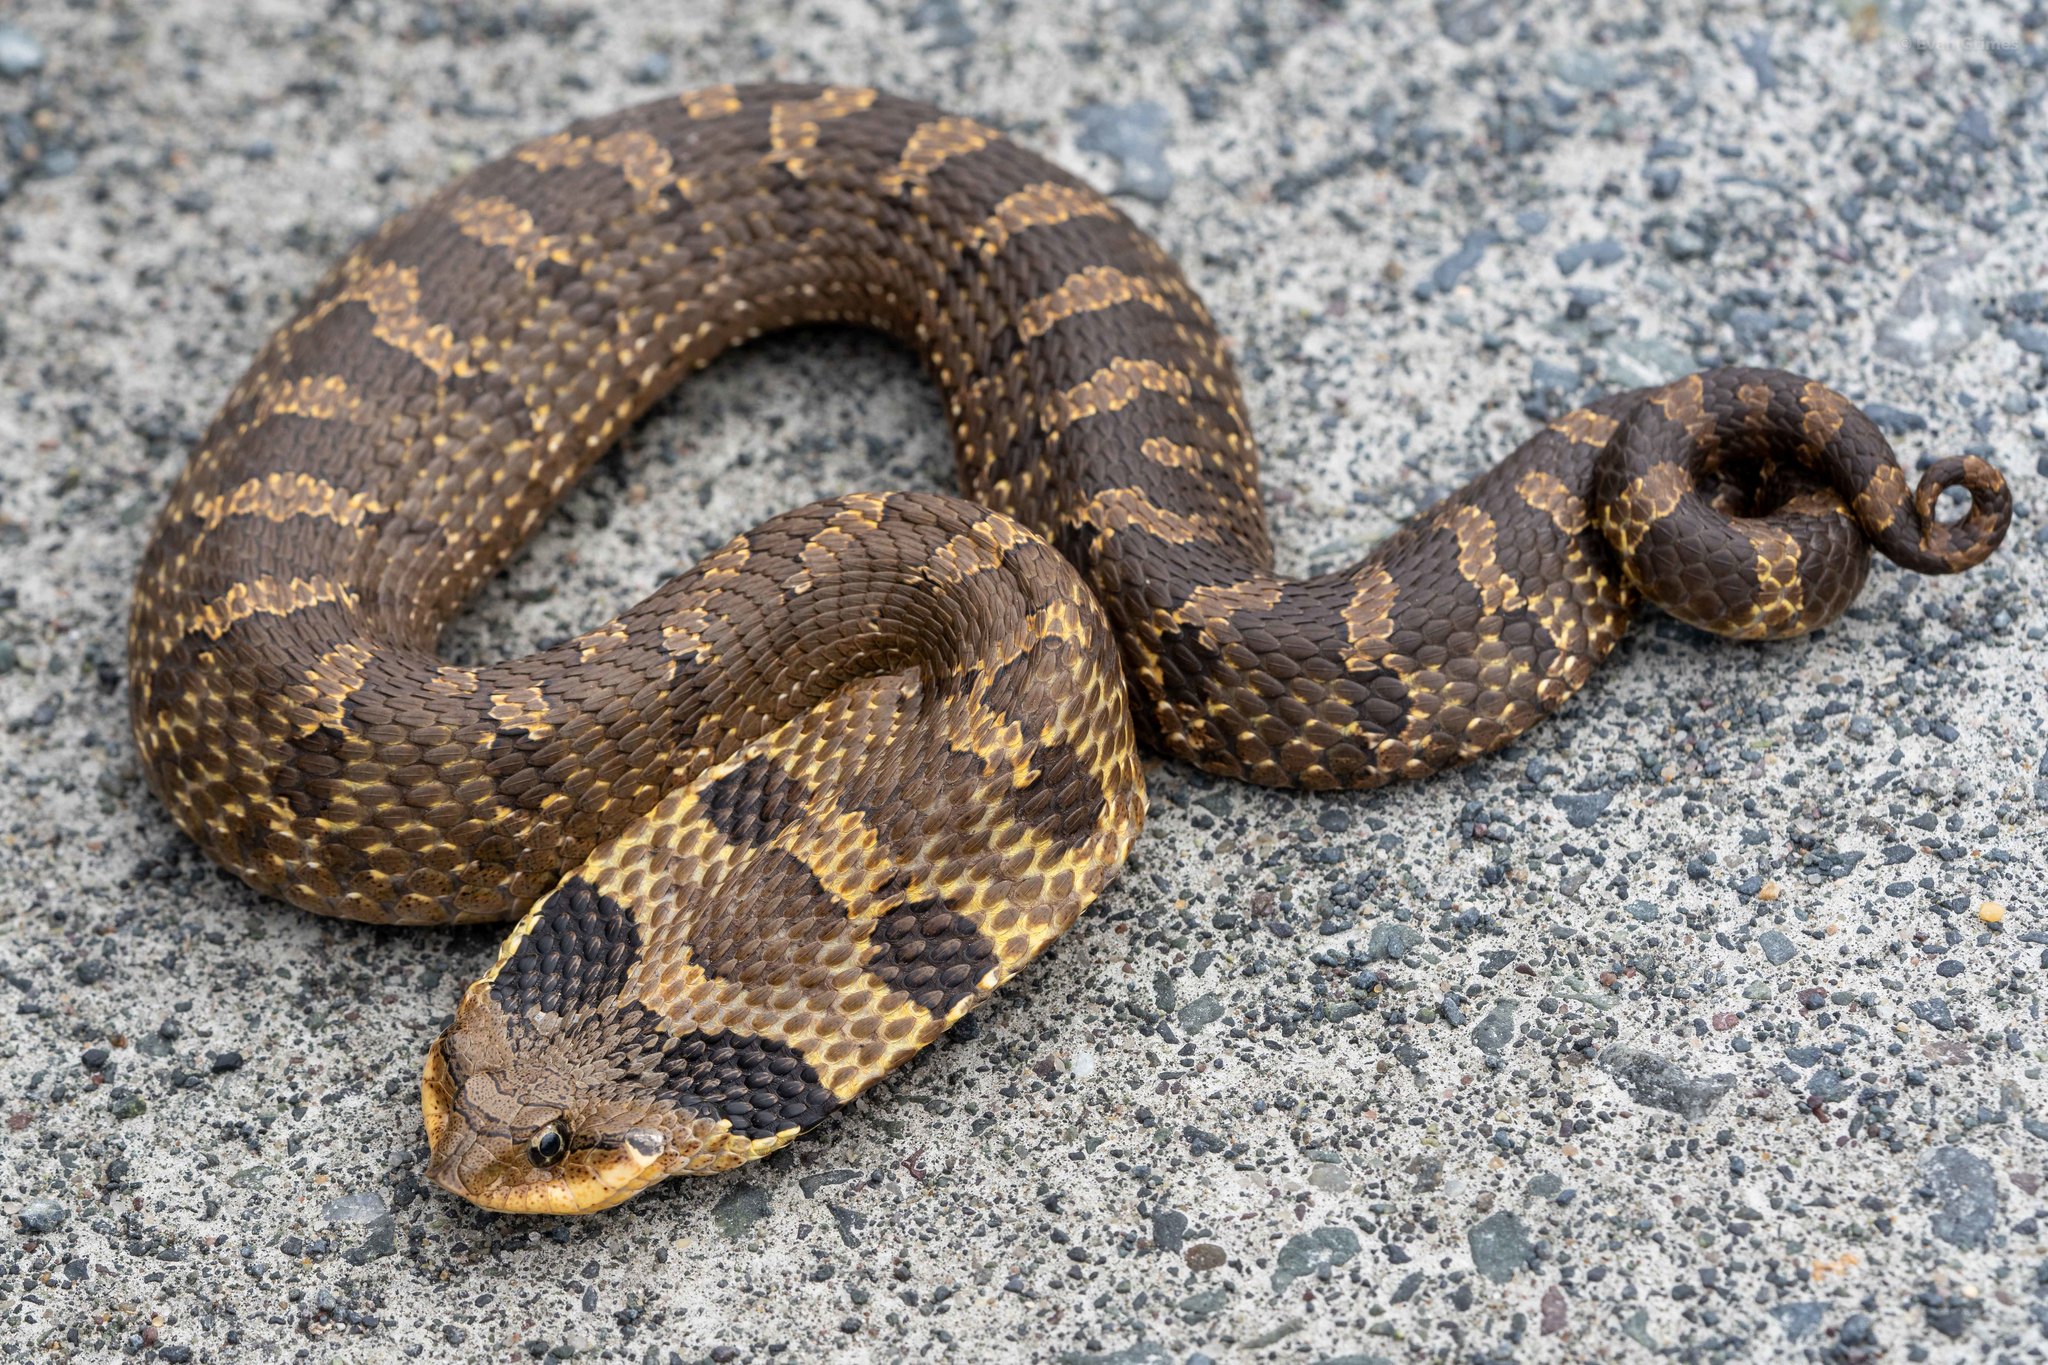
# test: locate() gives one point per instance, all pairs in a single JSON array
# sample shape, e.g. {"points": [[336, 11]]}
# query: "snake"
{"points": [[775, 828]]}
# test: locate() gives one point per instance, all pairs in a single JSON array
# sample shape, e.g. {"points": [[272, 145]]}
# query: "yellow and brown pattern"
{"points": [[772, 830]]}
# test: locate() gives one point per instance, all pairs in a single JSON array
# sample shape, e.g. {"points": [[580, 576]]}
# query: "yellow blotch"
{"points": [[524, 707], [1656, 493], [1087, 291], [1211, 603], [1583, 426], [1882, 499], [932, 145], [714, 101], [1369, 617], [1172, 454], [277, 496], [1113, 387], [1478, 564], [500, 223], [265, 596], [1684, 402], [392, 294], [1825, 411], [332, 680], [1041, 205], [1117, 509], [1547, 493], [793, 125]]}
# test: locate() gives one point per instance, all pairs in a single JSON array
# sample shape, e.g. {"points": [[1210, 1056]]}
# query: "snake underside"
{"points": [[776, 827]]}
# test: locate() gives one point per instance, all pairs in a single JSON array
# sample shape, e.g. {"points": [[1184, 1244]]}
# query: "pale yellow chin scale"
{"points": [[498, 1174]]}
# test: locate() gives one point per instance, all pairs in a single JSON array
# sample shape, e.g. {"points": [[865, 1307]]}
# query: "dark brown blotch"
{"points": [[760, 1086], [933, 955], [576, 957], [754, 802]]}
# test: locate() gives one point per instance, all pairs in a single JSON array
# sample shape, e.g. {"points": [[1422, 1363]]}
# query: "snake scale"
{"points": [[772, 830]]}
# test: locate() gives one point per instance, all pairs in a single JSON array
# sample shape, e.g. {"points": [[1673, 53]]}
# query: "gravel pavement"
{"points": [[1704, 1023]]}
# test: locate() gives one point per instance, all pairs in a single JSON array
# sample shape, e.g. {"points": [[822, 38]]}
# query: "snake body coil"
{"points": [[776, 827]]}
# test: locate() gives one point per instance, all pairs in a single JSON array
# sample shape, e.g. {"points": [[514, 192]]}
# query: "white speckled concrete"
{"points": [[1677, 1027]]}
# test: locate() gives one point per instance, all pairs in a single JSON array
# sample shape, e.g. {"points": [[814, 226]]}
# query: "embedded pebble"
{"points": [[1652, 1079], [1500, 1245], [1137, 135], [42, 1215], [20, 54], [1934, 317], [363, 1207], [1964, 1193]]}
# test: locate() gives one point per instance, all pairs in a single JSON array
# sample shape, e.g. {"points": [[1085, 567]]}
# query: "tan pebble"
{"points": [[1991, 912], [1769, 892]]}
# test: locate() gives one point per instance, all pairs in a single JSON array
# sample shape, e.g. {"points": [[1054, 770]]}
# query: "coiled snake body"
{"points": [[775, 828]]}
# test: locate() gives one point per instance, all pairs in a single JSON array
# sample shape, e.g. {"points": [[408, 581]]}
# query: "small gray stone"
{"points": [[1137, 136], [1582, 809], [1641, 362], [1752, 326], [1496, 1029], [1935, 317], [1934, 1012], [1390, 942], [1684, 244], [1777, 948], [365, 1206], [1163, 991], [1965, 1195], [1458, 264], [20, 53], [1655, 1080], [1604, 251], [1199, 1013], [1893, 421], [1500, 1246], [382, 1242], [1137, 1353], [1585, 69], [1756, 50], [1305, 1252], [1468, 21], [2029, 338], [1797, 1320], [653, 69], [42, 1215], [1827, 1086], [739, 1209], [944, 20]]}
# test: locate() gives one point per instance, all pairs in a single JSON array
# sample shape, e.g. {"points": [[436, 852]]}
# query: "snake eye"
{"points": [[547, 1147]]}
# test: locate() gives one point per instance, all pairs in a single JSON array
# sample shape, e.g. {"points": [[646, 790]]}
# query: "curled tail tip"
{"points": [[1953, 546]]}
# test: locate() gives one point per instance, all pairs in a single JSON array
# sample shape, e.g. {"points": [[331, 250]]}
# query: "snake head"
{"points": [[546, 1112], [546, 1115]]}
